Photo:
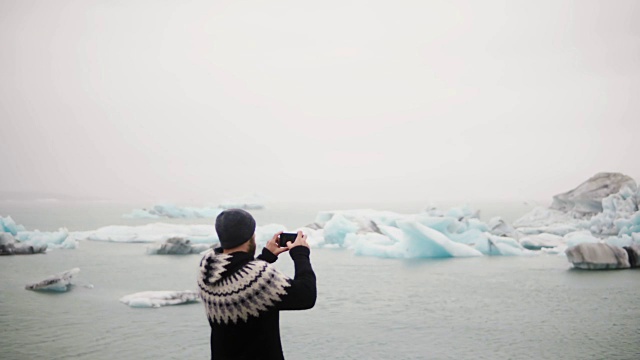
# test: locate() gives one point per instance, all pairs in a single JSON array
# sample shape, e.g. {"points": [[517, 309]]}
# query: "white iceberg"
{"points": [[598, 256], [174, 212], [149, 233], [602, 209], [587, 197], [155, 299], [177, 246], [60, 282]]}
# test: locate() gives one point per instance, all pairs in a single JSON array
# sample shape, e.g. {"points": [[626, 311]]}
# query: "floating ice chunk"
{"points": [[38, 241], [60, 282], [174, 212], [149, 299], [157, 232], [7, 225], [54, 239], [540, 241], [9, 246], [177, 246], [587, 197], [598, 256], [420, 241]]}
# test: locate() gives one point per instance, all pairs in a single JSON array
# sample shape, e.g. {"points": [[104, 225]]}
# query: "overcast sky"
{"points": [[317, 100]]}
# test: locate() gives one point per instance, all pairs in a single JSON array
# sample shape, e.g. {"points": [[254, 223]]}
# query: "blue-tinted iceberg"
{"points": [[155, 299], [173, 212], [56, 283], [433, 233], [36, 239]]}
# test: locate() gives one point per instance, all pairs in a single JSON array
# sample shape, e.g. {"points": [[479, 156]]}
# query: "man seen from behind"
{"points": [[243, 295]]}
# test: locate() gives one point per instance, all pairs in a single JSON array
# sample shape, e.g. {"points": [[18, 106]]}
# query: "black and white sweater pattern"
{"points": [[233, 293]]}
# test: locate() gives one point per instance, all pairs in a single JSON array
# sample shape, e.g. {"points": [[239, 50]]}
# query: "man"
{"points": [[243, 296]]}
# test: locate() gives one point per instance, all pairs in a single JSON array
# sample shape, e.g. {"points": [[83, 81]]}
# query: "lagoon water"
{"points": [[368, 308]]}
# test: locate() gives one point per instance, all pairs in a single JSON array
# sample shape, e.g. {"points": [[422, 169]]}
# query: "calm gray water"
{"points": [[367, 308]]}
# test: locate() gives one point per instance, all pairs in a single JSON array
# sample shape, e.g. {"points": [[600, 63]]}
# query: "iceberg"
{"points": [[173, 212], [598, 256], [155, 299], [150, 233], [60, 282], [35, 240], [602, 209], [55, 239], [587, 197], [177, 246], [9, 246]]}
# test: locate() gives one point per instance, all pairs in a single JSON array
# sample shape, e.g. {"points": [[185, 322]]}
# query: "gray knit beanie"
{"points": [[234, 227]]}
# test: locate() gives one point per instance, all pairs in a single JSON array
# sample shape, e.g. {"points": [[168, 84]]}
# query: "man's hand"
{"points": [[301, 240], [272, 245]]}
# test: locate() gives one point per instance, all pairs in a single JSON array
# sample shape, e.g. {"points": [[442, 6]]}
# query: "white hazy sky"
{"points": [[317, 100]]}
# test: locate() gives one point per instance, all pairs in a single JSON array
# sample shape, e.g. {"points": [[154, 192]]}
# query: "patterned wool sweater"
{"points": [[243, 296]]}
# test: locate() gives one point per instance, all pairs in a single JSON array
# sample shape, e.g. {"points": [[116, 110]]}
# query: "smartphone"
{"points": [[285, 237]]}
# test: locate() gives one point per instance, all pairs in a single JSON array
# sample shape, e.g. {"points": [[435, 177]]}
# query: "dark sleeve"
{"points": [[302, 293], [267, 256]]}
